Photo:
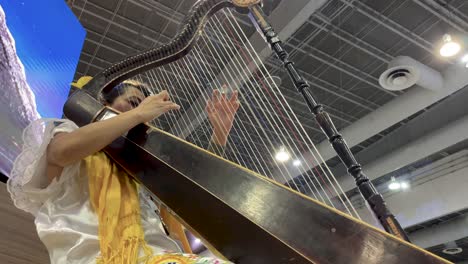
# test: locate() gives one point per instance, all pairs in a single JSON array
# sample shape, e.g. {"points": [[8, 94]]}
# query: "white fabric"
{"points": [[64, 219]]}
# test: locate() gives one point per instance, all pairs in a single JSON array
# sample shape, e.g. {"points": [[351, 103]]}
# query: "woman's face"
{"points": [[129, 100]]}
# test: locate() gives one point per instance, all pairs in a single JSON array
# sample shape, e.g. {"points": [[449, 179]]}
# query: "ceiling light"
{"points": [[404, 185], [394, 185], [197, 241], [296, 163], [453, 251], [282, 155], [464, 60], [449, 48]]}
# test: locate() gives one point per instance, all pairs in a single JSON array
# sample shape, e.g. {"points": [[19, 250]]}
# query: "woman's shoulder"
{"points": [[28, 184], [54, 122], [45, 128]]}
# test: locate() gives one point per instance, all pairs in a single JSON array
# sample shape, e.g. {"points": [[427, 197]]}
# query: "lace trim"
{"points": [[28, 184]]}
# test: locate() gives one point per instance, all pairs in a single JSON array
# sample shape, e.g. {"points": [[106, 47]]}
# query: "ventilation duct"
{"points": [[404, 72]]}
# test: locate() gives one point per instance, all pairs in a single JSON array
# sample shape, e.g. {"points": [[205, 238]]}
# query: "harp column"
{"points": [[365, 186]]}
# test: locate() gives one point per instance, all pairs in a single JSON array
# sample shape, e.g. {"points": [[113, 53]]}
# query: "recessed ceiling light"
{"points": [[296, 163], [282, 155], [404, 185], [453, 251], [197, 241], [465, 58], [394, 185], [449, 48]]}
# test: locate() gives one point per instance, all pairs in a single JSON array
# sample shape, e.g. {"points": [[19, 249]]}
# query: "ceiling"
{"points": [[341, 49]]}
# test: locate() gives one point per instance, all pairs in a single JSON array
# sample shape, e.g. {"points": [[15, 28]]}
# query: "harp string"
{"points": [[222, 56], [276, 109], [292, 130], [233, 132], [269, 115], [208, 71], [156, 77], [153, 86], [249, 105], [183, 83], [253, 88], [276, 106], [151, 77], [320, 162], [238, 119], [201, 106], [243, 140], [158, 83], [241, 125]]}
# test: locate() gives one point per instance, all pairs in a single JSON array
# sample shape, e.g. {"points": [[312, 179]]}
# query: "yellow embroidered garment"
{"points": [[114, 198]]}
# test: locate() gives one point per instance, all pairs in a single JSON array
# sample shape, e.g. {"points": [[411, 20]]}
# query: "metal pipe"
{"points": [[391, 25]]}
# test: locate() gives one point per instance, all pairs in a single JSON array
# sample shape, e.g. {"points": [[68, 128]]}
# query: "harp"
{"points": [[246, 217]]}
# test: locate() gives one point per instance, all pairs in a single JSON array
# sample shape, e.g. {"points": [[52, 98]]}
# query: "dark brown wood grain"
{"points": [[248, 218]]}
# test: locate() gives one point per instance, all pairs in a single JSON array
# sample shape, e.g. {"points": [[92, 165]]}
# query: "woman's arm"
{"points": [[67, 148]]}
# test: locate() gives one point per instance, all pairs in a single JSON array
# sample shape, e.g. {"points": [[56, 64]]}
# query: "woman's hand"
{"points": [[154, 106], [221, 112]]}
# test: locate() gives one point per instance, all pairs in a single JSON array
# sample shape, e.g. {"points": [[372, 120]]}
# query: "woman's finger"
{"points": [[215, 97], [234, 96], [172, 106], [164, 103], [209, 106], [164, 95], [236, 105], [223, 97]]}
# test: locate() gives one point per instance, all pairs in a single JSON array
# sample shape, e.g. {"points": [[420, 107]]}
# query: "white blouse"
{"points": [[64, 219]]}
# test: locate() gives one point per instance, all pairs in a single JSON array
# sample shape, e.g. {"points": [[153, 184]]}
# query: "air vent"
{"points": [[452, 251], [404, 72], [398, 78]]}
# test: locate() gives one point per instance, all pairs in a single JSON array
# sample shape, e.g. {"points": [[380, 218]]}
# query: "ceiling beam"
{"points": [[441, 233], [400, 108], [438, 117], [390, 25], [433, 142], [444, 14], [436, 190], [438, 128]]}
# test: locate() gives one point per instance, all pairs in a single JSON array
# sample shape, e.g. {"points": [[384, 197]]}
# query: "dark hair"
{"points": [[122, 88]]}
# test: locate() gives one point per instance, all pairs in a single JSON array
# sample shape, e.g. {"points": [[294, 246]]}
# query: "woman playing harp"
{"points": [[86, 208]]}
